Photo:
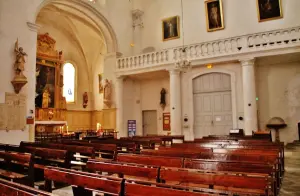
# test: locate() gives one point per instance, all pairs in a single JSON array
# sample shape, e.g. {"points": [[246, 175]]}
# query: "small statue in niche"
{"points": [[107, 92], [163, 98], [85, 99], [46, 98]]}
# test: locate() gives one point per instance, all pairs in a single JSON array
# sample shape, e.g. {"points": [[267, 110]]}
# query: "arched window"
{"points": [[69, 82]]}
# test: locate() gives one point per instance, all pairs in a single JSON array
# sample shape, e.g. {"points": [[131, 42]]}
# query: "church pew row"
{"points": [[17, 167], [237, 183], [84, 183], [209, 162], [8, 188], [108, 145]]}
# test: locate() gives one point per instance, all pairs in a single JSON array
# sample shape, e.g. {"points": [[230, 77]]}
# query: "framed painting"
{"points": [[214, 15], [100, 83], [170, 28], [45, 80], [269, 10]]}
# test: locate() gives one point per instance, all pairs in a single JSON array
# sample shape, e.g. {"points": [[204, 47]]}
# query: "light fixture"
{"points": [[209, 66], [183, 64]]}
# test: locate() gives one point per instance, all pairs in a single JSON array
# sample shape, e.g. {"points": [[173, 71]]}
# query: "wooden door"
{"points": [[212, 104], [150, 122]]}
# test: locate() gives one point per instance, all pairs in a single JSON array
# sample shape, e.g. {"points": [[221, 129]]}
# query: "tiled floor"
{"points": [[291, 180]]}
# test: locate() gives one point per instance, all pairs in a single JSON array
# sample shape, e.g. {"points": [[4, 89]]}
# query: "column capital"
{"points": [[33, 27], [174, 71], [247, 61]]}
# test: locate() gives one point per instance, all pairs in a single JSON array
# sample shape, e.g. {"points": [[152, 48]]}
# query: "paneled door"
{"points": [[150, 122], [212, 104]]}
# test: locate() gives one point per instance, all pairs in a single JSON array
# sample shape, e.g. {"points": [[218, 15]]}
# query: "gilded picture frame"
{"points": [[269, 10], [170, 28], [214, 15]]}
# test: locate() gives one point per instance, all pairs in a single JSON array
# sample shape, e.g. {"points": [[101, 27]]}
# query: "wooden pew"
{"points": [[139, 188], [8, 188], [151, 160], [186, 153], [257, 184], [127, 170], [46, 156], [105, 151], [83, 181], [85, 152], [18, 167], [9, 147]]}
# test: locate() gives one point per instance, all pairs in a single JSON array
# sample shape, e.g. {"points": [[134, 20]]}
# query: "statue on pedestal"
{"points": [[19, 80]]}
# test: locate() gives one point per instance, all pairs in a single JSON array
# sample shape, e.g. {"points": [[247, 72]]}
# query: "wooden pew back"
{"points": [[151, 160], [82, 179]]}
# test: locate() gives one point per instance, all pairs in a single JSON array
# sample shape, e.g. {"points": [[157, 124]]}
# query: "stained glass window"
{"points": [[69, 82]]}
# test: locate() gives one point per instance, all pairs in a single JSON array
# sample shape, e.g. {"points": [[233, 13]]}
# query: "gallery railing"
{"points": [[251, 43]]}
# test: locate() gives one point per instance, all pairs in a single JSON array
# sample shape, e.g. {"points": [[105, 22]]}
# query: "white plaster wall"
{"points": [[278, 90], [186, 90], [240, 17], [12, 26], [141, 95], [150, 99]]}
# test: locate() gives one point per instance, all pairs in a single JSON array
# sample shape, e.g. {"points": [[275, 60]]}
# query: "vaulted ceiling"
{"points": [[76, 35]]}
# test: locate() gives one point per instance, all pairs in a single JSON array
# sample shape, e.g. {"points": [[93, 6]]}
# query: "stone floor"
{"points": [[291, 181]]}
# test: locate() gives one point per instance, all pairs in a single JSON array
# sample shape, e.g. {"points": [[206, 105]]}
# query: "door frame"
{"points": [[233, 95], [143, 120]]}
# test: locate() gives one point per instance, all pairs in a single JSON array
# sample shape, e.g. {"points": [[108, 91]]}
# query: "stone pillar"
{"points": [[175, 102], [249, 91], [119, 106]]}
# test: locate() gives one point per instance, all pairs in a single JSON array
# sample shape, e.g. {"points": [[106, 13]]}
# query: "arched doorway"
{"points": [[212, 100]]}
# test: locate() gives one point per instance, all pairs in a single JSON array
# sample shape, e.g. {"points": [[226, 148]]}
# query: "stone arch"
{"points": [[92, 13]]}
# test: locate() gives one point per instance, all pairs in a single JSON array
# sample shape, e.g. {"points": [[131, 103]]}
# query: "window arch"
{"points": [[69, 82]]}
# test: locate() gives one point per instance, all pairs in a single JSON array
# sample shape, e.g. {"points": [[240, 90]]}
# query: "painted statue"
{"points": [[85, 99], [20, 59], [163, 98], [107, 92]]}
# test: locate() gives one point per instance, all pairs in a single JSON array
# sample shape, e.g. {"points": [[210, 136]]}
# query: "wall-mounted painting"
{"points": [[45, 81], [269, 10], [100, 83], [214, 15], [170, 28]]}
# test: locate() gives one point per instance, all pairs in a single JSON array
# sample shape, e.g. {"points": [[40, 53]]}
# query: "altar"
{"points": [[50, 105]]}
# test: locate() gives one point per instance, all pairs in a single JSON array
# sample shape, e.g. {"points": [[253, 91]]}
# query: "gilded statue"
{"points": [[46, 98], [20, 59]]}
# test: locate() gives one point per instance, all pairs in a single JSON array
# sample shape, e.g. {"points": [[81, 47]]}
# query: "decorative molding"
{"points": [[33, 27], [137, 20], [247, 61]]}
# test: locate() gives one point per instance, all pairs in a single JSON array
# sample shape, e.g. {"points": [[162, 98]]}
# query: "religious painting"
{"points": [[45, 86], [214, 15], [269, 10], [170, 28], [100, 80]]}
